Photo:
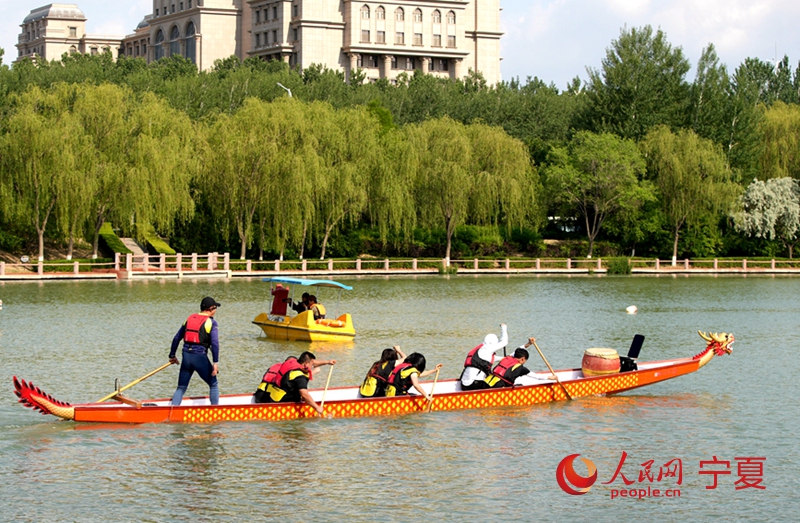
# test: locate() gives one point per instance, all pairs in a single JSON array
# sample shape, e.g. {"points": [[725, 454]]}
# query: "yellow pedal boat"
{"points": [[277, 324]]}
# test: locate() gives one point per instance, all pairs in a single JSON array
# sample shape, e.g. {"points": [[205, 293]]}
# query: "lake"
{"points": [[74, 338]]}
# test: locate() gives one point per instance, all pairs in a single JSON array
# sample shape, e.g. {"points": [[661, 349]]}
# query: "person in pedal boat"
{"points": [[377, 379], [300, 306], [199, 334], [317, 308], [407, 375], [288, 381], [478, 364], [506, 372]]}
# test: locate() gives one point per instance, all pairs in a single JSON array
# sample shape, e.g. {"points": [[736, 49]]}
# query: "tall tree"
{"points": [[692, 177], [641, 84], [709, 97], [444, 182], [771, 209], [237, 166], [597, 176], [35, 153], [780, 132], [347, 147]]}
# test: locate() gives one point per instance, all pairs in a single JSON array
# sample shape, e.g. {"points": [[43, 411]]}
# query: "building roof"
{"points": [[145, 22], [62, 11]]}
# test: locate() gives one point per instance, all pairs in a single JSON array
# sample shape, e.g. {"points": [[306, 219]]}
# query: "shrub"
{"points": [[619, 266], [452, 269], [111, 239]]}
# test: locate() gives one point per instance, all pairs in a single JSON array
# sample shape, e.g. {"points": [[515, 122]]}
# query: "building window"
{"points": [[451, 41], [381, 37], [365, 35], [190, 4], [73, 32], [258, 16], [136, 50], [181, 6], [430, 66], [156, 11], [295, 10], [159, 44], [274, 12], [417, 38], [360, 61], [409, 63], [173, 8], [444, 65], [437, 17], [373, 61], [437, 40], [174, 43], [93, 51], [258, 39], [73, 49], [191, 49], [275, 36], [417, 15], [399, 14], [394, 62], [451, 18], [365, 12], [400, 38], [380, 13]]}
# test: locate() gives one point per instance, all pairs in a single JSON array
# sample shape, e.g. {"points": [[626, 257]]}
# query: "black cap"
{"points": [[207, 303]]}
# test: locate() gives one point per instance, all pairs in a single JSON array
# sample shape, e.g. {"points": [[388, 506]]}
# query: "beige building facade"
{"points": [[54, 29], [445, 38]]}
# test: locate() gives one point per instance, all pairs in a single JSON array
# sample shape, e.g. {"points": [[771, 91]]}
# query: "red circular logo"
{"points": [[570, 481]]}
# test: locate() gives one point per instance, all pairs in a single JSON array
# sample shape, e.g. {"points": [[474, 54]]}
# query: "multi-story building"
{"points": [[384, 39], [55, 29]]}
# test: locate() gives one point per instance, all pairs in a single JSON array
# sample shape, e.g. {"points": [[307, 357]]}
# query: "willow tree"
{"points": [[162, 164], [691, 175], [444, 182], [506, 184], [290, 209], [347, 147], [239, 150], [771, 210], [35, 153], [597, 176], [103, 112], [780, 155], [391, 206]]}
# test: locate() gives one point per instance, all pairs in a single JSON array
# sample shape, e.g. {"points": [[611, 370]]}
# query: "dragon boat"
{"points": [[303, 327], [344, 402]]}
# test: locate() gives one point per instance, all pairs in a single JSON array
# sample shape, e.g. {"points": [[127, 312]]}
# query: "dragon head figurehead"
{"points": [[719, 344]]}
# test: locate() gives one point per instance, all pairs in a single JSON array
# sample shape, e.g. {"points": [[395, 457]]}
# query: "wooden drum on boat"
{"points": [[599, 362]]}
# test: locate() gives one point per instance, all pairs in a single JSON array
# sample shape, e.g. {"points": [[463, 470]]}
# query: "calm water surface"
{"points": [[73, 338]]}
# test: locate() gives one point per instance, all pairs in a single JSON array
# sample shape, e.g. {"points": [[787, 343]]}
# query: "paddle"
{"points": [[551, 369], [324, 392], [430, 400], [134, 382]]}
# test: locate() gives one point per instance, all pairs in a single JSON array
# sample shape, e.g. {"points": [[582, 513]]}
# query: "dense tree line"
{"points": [[637, 157]]}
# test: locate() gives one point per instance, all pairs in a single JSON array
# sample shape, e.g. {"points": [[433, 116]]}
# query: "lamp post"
{"points": [[286, 88]]}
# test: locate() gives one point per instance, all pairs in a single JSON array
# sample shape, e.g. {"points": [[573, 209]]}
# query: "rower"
{"points": [[288, 381], [478, 364], [508, 370]]}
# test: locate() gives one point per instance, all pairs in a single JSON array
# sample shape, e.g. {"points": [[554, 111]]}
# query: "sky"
{"points": [[554, 40]]}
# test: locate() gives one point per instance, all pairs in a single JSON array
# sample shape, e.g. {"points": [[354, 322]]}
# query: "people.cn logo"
{"points": [[570, 481]]}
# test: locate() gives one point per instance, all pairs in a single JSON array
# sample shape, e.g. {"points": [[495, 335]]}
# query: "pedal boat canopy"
{"points": [[304, 327]]}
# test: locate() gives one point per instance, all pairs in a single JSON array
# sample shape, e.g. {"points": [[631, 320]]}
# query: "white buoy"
{"points": [[632, 309], [1, 305]]}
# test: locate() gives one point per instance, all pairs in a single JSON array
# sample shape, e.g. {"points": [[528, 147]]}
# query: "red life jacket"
{"points": [[502, 369], [274, 375], [382, 373], [400, 384], [192, 333], [473, 360]]}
